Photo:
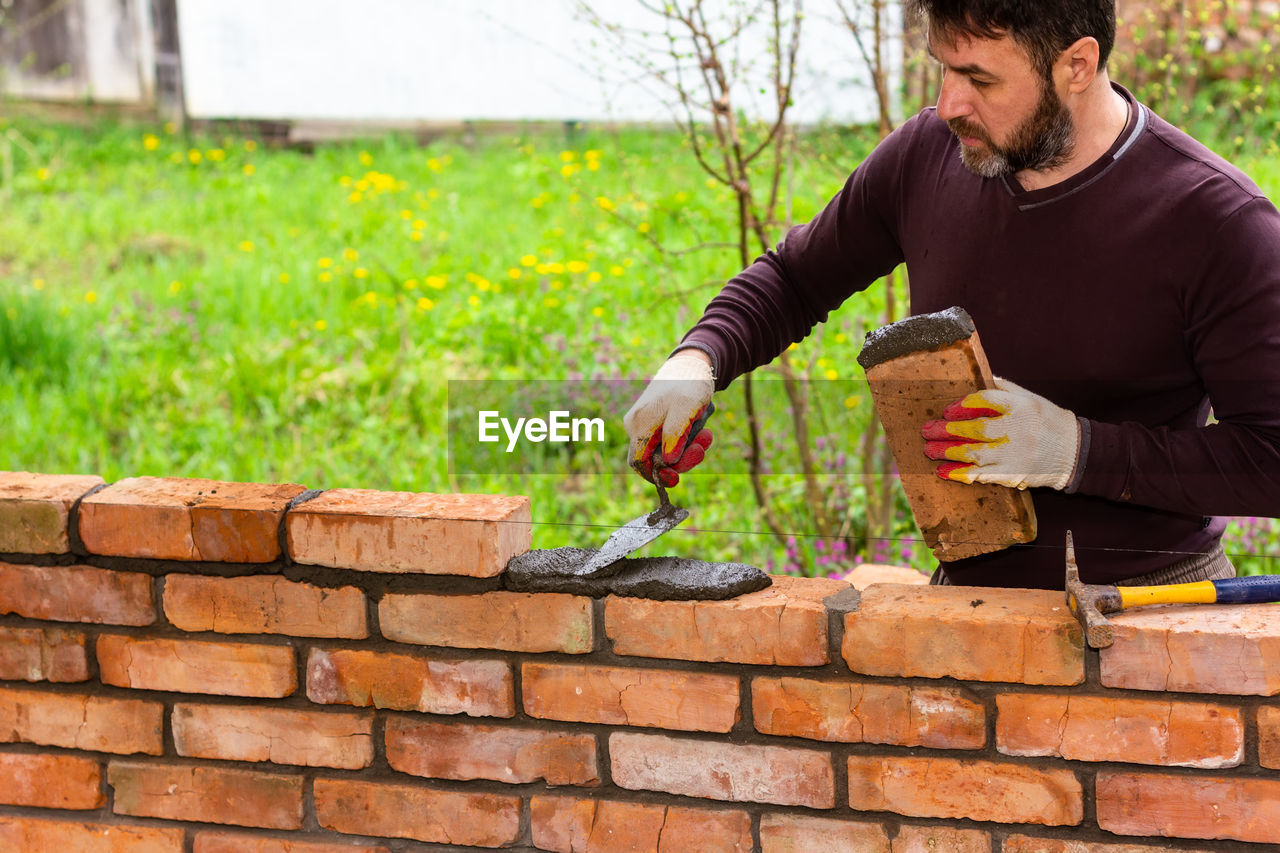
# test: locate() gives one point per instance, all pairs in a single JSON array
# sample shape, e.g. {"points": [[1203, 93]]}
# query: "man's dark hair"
{"points": [[1044, 28]]}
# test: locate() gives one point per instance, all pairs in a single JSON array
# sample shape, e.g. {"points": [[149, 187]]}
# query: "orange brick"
{"points": [[94, 723], [932, 839], [42, 654], [211, 841], [423, 814], [853, 712], [621, 696], [722, 771], [175, 519], [50, 781], [1189, 806], [1134, 731], [783, 625], [798, 834], [477, 688], [264, 604], [976, 634], [1269, 737], [498, 753], [76, 594], [979, 790], [1027, 844], [278, 735], [1207, 649], [189, 666], [568, 825], [514, 621], [198, 792], [371, 531], [34, 510], [29, 835]]}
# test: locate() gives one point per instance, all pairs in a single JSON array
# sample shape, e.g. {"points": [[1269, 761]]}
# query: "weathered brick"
{"points": [[34, 510], [1206, 649], [423, 814], [722, 771], [50, 781], [198, 792], [76, 594], [212, 841], [854, 712], [499, 753], [477, 688], [1189, 806], [976, 634], [264, 604], [371, 531], [94, 723], [622, 696], [513, 621], [42, 654], [801, 834], [176, 519], [1027, 844], [1269, 737], [568, 825], [783, 625], [36, 835], [191, 666], [1106, 728], [951, 788], [934, 839], [278, 735]]}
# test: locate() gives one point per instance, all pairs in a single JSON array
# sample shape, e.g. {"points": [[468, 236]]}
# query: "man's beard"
{"points": [[1043, 141]]}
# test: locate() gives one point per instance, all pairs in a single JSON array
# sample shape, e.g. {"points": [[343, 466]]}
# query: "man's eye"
{"points": [[980, 84]]}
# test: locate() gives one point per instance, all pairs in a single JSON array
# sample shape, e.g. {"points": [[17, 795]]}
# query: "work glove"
{"points": [[660, 426], [1008, 436]]}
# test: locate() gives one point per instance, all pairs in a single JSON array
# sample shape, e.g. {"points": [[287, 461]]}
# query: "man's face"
{"points": [[1007, 116]]}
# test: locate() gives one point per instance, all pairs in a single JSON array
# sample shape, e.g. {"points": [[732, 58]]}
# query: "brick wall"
{"points": [[190, 665]]}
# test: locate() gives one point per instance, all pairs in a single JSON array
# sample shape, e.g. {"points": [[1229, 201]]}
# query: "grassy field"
{"points": [[211, 307]]}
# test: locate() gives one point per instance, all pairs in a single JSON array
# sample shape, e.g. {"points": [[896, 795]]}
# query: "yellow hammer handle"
{"points": [[1199, 592]]}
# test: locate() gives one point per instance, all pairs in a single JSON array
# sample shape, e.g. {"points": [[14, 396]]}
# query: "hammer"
{"points": [[1089, 601]]}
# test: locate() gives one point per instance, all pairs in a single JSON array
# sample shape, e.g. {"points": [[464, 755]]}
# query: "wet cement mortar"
{"points": [[657, 578], [922, 332]]}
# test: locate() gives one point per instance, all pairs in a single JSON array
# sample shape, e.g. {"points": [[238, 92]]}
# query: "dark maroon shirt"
{"points": [[1137, 294]]}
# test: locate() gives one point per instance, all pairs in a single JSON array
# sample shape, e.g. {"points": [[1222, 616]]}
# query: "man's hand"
{"points": [[1008, 436], [664, 416]]}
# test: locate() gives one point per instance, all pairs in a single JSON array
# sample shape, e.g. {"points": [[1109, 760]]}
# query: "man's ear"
{"points": [[1078, 64]]}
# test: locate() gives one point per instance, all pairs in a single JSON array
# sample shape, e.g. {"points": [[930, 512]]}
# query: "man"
{"points": [[1122, 277]]}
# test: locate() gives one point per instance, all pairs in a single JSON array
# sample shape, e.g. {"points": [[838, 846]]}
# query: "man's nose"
{"points": [[952, 102]]}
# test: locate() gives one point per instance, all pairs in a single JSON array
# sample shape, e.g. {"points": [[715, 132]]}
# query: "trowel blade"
{"points": [[630, 537]]}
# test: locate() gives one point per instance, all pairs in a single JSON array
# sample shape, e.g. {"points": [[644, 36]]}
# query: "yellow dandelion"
{"points": [[360, 272], [576, 266], [151, 142], [568, 156], [217, 155], [350, 255], [712, 183], [680, 197], [355, 197], [436, 282], [627, 262], [435, 165], [574, 198], [419, 225], [325, 276], [321, 325], [406, 214], [248, 169], [515, 272], [38, 284], [415, 236], [194, 156], [43, 174], [410, 284], [557, 285], [537, 201], [570, 169], [528, 260], [593, 154], [556, 269], [543, 269], [842, 338], [175, 286], [425, 304], [551, 302], [246, 245], [285, 278], [850, 402], [616, 270], [370, 298], [91, 296], [831, 374], [433, 194], [593, 165], [594, 276], [324, 263], [345, 181], [644, 227], [473, 301], [597, 311], [366, 159]]}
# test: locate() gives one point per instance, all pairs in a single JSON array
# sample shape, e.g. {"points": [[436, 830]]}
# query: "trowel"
{"points": [[638, 532]]}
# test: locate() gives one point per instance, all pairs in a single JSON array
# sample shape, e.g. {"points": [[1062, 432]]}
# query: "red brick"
{"points": [[371, 531], [513, 621], [1205, 649], [1027, 844], [190, 666], [34, 835], [1269, 737], [1189, 806], [621, 696], [978, 790], [1133, 731], [42, 654], [278, 735], [238, 842], [76, 594], [423, 814], [50, 781], [264, 604], [853, 712], [205, 794], [94, 723], [175, 519], [568, 825], [783, 625], [34, 510], [933, 839], [722, 771], [499, 753], [477, 688], [975, 634], [799, 834]]}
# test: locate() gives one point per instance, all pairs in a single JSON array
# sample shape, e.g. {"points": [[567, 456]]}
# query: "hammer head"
{"points": [[1089, 602]]}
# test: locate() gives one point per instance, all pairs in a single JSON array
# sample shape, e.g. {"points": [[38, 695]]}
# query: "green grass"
{"points": [[210, 307]]}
